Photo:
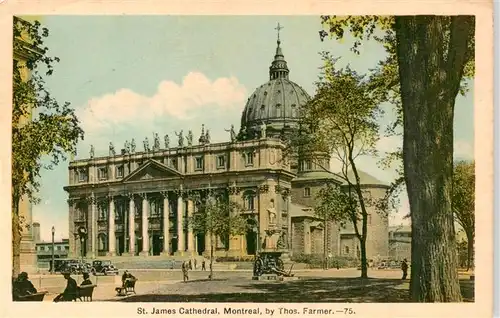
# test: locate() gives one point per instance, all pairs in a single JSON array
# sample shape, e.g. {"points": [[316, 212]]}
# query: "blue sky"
{"points": [[131, 76]]}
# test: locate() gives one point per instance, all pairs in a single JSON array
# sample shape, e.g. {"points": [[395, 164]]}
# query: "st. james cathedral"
{"points": [[135, 201]]}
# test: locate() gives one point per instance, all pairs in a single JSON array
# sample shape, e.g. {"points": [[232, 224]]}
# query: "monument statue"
{"points": [[181, 138], [132, 146], [156, 143], [232, 134], [91, 151], [272, 213], [111, 149], [146, 145], [263, 129], [167, 141], [190, 138]]}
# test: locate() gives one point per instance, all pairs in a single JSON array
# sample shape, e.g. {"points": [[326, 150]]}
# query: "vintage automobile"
{"points": [[73, 266], [104, 267], [269, 263]]}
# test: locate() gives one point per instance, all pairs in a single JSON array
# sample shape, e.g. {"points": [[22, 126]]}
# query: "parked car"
{"points": [[382, 265], [73, 266], [104, 267]]}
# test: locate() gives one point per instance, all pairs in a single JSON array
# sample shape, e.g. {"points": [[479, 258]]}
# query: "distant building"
{"points": [[400, 242], [36, 232], [44, 250]]}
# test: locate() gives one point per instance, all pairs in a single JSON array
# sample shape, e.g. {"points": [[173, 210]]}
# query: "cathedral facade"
{"points": [[136, 202]]}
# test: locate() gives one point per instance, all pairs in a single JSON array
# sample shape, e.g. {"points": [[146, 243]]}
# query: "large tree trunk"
{"points": [[16, 239], [470, 251], [364, 265], [211, 256], [429, 85]]}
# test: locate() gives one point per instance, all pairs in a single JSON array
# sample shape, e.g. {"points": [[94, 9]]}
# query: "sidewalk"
{"points": [[107, 291]]}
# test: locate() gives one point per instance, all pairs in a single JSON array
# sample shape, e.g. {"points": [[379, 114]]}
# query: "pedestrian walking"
{"points": [[185, 274], [404, 268], [203, 268], [195, 263], [190, 265]]}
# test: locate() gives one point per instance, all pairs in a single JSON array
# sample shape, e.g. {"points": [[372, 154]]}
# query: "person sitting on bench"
{"points": [[86, 280], [70, 293], [22, 286]]}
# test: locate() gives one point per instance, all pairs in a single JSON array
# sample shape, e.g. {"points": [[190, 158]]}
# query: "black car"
{"points": [[104, 267]]}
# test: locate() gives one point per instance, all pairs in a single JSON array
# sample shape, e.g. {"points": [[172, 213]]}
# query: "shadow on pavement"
{"points": [[320, 290]]}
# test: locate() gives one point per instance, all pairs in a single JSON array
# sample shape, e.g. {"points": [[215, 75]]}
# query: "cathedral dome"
{"points": [[275, 103]]}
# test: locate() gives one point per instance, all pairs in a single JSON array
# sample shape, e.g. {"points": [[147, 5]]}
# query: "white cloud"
{"points": [[171, 99]]}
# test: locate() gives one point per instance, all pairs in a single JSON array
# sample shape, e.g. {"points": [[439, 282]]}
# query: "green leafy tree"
{"points": [[429, 57], [463, 202], [342, 120], [218, 218], [41, 126]]}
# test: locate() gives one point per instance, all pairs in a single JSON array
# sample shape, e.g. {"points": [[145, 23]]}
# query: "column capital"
{"points": [[91, 200], [164, 194], [285, 193], [130, 195], [71, 201], [263, 188], [143, 195], [234, 190], [110, 197]]}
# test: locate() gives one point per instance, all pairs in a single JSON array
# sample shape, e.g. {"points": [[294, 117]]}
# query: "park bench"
{"points": [[33, 297], [85, 292], [128, 287]]}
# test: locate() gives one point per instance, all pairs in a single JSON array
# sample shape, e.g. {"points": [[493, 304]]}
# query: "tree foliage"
{"points": [[218, 218], [41, 126], [463, 202], [342, 120], [384, 77]]}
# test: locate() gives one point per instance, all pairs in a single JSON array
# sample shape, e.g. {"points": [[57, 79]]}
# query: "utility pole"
{"points": [[52, 265]]}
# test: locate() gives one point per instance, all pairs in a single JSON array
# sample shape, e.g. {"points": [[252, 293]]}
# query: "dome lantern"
{"points": [[278, 68]]}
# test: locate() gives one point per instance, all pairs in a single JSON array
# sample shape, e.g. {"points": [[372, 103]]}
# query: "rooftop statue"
{"points": [[231, 133], [202, 139], [167, 141], [127, 147], [180, 135], [146, 145], [92, 151], [156, 144], [207, 137], [190, 138], [263, 129], [132, 146], [111, 149]]}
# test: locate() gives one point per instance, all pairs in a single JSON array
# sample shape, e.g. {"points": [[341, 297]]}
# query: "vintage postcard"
{"points": [[235, 160]]}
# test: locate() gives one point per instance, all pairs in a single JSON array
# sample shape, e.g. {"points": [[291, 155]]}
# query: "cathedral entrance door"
{"points": [[200, 241], [157, 244], [175, 244], [251, 238], [121, 244]]}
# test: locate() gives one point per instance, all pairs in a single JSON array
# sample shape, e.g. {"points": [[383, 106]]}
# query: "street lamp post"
{"points": [[52, 265]]}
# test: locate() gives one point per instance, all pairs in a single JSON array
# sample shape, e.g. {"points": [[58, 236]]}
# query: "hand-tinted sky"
{"points": [[131, 76]]}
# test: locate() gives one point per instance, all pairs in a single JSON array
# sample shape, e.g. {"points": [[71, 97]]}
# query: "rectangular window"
{"points": [[221, 162], [199, 163], [308, 165], [307, 192], [250, 203], [249, 158], [82, 175], [119, 171], [102, 173]]}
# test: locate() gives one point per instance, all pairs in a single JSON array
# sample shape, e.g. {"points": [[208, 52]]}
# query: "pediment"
{"points": [[152, 170]]}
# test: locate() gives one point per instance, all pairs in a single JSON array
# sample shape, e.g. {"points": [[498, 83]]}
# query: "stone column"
{"points": [[73, 240], [289, 221], [131, 225], [180, 225], [234, 248], [166, 224], [190, 247], [145, 226], [91, 227], [111, 231]]}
